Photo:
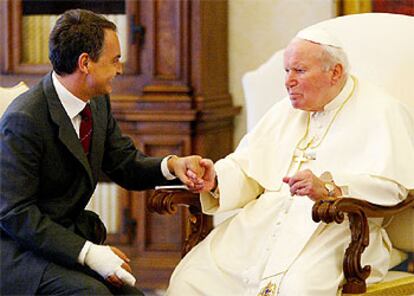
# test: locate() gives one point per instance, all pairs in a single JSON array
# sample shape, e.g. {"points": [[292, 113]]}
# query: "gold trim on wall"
{"points": [[353, 6]]}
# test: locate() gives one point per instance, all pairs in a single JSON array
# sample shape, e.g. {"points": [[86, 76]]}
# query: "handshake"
{"points": [[196, 173], [111, 264]]}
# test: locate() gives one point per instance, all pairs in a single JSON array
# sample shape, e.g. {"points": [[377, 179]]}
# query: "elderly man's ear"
{"points": [[337, 73]]}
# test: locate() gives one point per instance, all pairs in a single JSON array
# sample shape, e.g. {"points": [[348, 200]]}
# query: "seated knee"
{"points": [[295, 285], [93, 287]]}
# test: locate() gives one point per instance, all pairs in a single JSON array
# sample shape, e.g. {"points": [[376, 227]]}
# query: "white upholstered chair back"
{"points": [[8, 94], [380, 48]]}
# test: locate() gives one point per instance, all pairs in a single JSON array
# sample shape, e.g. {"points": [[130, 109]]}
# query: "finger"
{"points": [[302, 191], [207, 163], [286, 179], [197, 181], [120, 254], [209, 166], [115, 281], [126, 267], [292, 180], [125, 276], [299, 176], [197, 189], [297, 187], [210, 173], [183, 178], [191, 174], [196, 168]]}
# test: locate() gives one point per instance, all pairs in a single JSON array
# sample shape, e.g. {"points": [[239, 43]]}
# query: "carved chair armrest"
{"points": [[167, 201], [334, 210]]}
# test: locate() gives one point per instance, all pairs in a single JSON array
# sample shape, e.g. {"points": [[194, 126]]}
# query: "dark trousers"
{"points": [[59, 280]]}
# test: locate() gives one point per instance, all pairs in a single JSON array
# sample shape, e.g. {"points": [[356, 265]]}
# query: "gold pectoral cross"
{"points": [[303, 156]]}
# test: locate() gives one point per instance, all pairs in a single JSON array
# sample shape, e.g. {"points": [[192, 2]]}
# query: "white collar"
{"points": [[72, 104]]}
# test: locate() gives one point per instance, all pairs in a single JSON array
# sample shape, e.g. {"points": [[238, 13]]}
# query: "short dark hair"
{"points": [[75, 32]]}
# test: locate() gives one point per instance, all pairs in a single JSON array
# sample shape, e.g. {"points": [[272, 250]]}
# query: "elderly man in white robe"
{"points": [[334, 135]]}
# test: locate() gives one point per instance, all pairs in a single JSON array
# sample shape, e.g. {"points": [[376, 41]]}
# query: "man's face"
{"points": [[307, 82], [108, 65]]}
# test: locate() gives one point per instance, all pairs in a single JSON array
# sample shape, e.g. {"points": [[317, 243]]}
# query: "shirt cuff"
{"points": [[164, 168], [83, 252]]}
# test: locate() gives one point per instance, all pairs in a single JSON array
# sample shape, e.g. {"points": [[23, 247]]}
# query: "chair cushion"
{"points": [[7, 95], [396, 283], [401, 231], [397, 257]]}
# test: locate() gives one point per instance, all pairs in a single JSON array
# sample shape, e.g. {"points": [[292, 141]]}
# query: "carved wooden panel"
{"points": [[209, 72], [167, 57], [162, 233]]}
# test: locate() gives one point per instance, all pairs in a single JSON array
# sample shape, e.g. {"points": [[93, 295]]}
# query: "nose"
{"points": [[290, 79], [119, 69]]}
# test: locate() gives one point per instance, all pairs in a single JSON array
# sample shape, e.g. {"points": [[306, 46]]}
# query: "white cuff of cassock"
{"points": [[164, 168], [82, 254]]}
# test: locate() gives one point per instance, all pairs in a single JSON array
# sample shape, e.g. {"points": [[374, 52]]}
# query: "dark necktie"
{"points": [[85, 132]]}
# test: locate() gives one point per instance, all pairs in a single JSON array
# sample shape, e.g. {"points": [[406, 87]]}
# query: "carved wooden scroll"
{"points": [[166, 201], [358, 211]]}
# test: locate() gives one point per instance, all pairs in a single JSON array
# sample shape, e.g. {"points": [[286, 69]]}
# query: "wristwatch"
{"points": [[330, 187]]}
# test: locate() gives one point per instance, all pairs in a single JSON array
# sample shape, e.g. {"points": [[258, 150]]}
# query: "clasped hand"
{"points": [[306, 183], [194, 171]]}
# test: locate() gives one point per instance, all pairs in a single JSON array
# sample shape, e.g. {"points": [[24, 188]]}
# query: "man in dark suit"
{"points": [[55, 139]]}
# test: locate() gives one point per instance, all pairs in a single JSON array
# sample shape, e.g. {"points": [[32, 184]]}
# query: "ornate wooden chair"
{"points": [[7, 94], [376, 52]]}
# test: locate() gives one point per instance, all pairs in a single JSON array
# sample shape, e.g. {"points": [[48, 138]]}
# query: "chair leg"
{"points": [[355, 275]]}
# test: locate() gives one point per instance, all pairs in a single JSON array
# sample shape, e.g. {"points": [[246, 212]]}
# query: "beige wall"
{"points": [[258, 28]]}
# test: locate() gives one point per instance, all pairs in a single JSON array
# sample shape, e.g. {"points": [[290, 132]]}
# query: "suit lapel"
{"points": [[67, 133]]}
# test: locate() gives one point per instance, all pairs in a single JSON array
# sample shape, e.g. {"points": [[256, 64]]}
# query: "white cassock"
{"points": [[364, 138]]}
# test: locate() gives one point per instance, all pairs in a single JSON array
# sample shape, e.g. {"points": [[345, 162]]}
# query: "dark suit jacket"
{"points": [[46, 182]]}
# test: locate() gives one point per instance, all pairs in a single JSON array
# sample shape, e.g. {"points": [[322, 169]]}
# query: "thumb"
{"points": [[126, 267], [120, 254]]}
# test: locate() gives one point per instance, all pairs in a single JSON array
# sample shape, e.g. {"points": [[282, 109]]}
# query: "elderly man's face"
{"points": [[309, 85]]}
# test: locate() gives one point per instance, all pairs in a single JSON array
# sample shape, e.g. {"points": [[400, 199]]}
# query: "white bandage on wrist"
{"points": [[83, 252], [105, 262]]}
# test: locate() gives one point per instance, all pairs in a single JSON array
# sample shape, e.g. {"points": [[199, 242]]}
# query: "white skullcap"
{"points": [[318, 35]]}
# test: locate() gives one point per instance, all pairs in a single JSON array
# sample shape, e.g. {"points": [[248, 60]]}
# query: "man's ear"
{"points": [[337, 73], [83, 63]]}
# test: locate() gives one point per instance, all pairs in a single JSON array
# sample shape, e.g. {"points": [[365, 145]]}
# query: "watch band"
{"points": [[214, 192]]}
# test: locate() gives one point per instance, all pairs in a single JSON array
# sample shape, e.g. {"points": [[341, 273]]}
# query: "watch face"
{"points": [[331, 188]]}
